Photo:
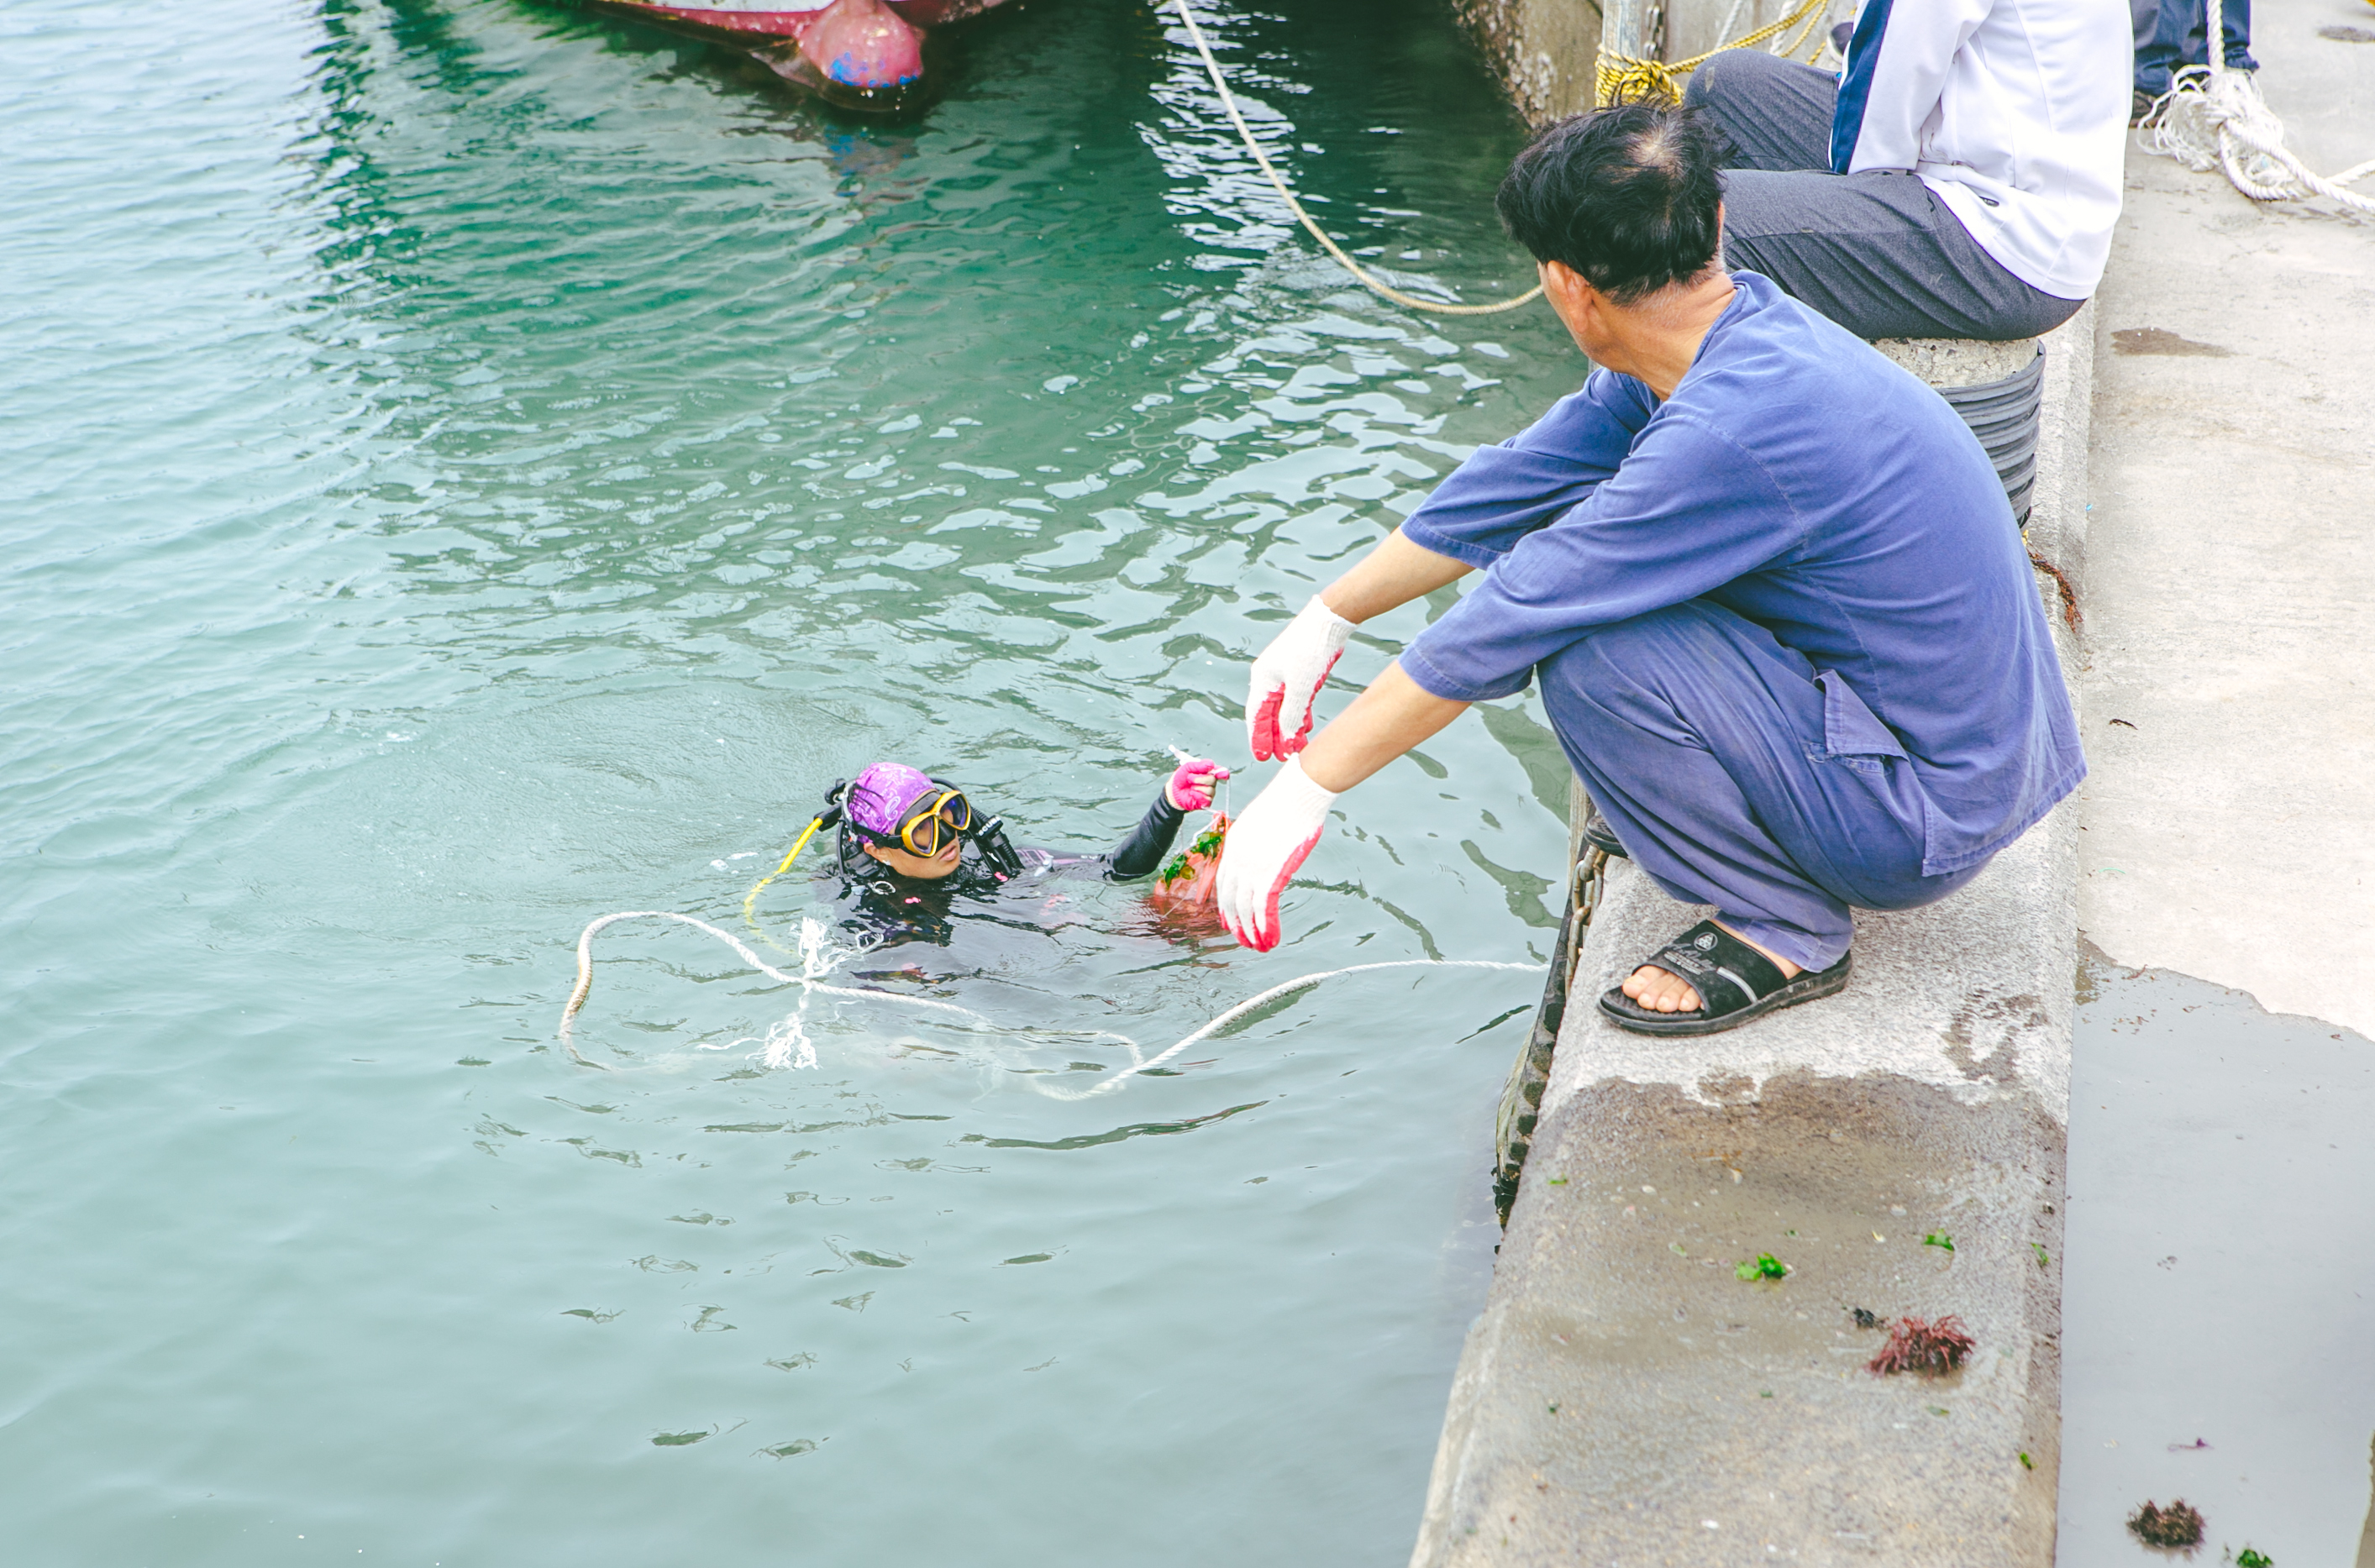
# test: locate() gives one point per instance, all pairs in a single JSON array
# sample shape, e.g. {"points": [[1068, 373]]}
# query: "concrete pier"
{"points": [[1624, 1396], [2231, 708]]}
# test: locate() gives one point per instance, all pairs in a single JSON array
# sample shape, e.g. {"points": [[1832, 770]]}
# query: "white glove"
{"points": [[1287, 677], [1265, 847]]}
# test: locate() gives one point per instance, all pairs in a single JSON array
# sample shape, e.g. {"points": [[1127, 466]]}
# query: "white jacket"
{"points": [[2014, 113]]}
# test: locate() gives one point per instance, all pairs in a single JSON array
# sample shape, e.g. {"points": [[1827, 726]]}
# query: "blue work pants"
{"points": [[1702, 740], [2179, 36]]}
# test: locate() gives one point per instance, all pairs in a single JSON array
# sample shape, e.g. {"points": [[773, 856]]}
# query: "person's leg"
{"points": [[2164, 49], [1880, 255], [1776, 112], [1701, 740]]}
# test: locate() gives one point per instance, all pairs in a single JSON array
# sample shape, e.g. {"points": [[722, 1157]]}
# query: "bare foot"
{"points": [[1654, 988]]}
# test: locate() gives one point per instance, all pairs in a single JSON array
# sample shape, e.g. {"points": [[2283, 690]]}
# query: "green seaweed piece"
{"points": [[1766, 1267], [1939, 1238], [1206, 842]]}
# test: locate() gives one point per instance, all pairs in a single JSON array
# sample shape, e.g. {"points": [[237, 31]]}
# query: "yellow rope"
{"points": [[1624, 76], [1244, 133], [751, 898]]}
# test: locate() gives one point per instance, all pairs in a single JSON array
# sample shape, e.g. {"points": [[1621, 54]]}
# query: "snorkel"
{"points": [[830, 815], [996, 852]]}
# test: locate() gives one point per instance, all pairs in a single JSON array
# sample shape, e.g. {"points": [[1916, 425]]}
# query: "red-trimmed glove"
{"points": [[1265, 847], [1287, 677], [1190, 788]]}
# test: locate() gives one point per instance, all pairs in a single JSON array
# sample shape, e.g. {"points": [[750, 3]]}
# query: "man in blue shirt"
{"points": [[1784, 622]]}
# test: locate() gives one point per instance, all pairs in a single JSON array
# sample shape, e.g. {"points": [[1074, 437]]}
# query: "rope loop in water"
{"points": [[1288, 988], [818, 959], [815, 962]]}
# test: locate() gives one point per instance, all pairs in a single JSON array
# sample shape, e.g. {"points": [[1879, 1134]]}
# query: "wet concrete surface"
{"points": [[1741, 1431], [2229, 708], [2221, 1258], [1648, 1405]]}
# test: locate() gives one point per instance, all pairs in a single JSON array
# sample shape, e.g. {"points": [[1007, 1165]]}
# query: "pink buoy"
{"points": [[865, 54], [863, 44]]}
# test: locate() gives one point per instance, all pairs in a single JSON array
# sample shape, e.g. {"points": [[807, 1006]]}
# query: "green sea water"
{"points": [[468, 467]]}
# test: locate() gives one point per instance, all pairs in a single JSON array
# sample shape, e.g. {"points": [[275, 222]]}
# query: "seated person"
{"points": [[1960, 178], [912, 847], [1786, 630]]}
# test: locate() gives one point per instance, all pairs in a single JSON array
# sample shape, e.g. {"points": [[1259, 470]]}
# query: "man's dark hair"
{"points": [[1625, 196]]}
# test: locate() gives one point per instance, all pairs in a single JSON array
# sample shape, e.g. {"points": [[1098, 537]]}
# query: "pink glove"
{"points": [[1265, 847], [1288, 676], [1190, 788]]}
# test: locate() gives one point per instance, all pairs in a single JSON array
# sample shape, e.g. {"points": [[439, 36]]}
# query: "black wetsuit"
{"points": [[883, 908]]}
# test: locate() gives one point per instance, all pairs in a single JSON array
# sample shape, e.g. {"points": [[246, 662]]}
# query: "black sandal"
{"points": [[1602, 837], [1735, 982]]}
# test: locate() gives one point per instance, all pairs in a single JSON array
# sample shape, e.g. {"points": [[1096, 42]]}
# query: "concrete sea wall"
{"points": [[1546, 51], [1543, 50]]}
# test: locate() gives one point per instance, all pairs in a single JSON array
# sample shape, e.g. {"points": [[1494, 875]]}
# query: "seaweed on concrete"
{"points": [[2178, 1525], [1917, 1345]]}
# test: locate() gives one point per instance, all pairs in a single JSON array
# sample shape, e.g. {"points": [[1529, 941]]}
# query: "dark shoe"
{"points": [[2140, 106], [1735, 982], [1602, 837]]}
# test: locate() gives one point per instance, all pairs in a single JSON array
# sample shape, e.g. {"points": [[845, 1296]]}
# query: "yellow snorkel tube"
{"points": [[829, 817]]}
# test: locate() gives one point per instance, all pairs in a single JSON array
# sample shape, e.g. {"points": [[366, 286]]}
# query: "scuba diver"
{"points": [[913, 851]]}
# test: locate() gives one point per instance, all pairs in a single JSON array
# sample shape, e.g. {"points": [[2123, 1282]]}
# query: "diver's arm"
{"points": [[1143, 850]]}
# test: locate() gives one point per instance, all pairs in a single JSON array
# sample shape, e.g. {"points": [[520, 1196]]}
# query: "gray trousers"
{"points": [[1874, 252]]}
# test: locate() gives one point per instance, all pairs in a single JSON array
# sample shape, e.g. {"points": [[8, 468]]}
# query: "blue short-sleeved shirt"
{"points": [[1799, 479]]}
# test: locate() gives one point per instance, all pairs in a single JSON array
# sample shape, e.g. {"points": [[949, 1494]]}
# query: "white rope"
{"points": [[1250, 1004], [2215, 118], [817, 957], [1245, 134]]}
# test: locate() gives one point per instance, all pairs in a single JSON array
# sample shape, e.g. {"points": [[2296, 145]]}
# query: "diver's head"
{"points": [[913, 824]]}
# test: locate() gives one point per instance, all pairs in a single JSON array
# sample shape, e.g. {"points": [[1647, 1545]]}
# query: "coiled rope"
{"points": [[1622, 77], [2215, 118], [1245, 134], [811, 983]]}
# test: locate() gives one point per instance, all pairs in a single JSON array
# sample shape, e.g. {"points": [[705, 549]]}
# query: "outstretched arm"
{"points": [[1189, 788], [1386, 720], [1278, 829], [1288, 674], [1389, 577]]}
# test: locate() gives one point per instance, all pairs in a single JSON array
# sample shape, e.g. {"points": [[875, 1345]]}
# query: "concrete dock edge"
{"points": [[1625, 1398]]}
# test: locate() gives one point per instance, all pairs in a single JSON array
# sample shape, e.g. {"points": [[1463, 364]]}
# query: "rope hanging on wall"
{"points": [[1376, 286]]}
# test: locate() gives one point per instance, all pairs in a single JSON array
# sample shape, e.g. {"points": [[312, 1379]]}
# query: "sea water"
{"points": [[474, 467]]}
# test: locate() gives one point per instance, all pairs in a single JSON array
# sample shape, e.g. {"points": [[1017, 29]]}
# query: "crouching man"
{"points": [[1784, 622]]}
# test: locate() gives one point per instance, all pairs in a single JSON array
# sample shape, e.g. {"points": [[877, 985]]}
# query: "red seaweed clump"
{"points": [[1916, 1346], [2180, 1524]]}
